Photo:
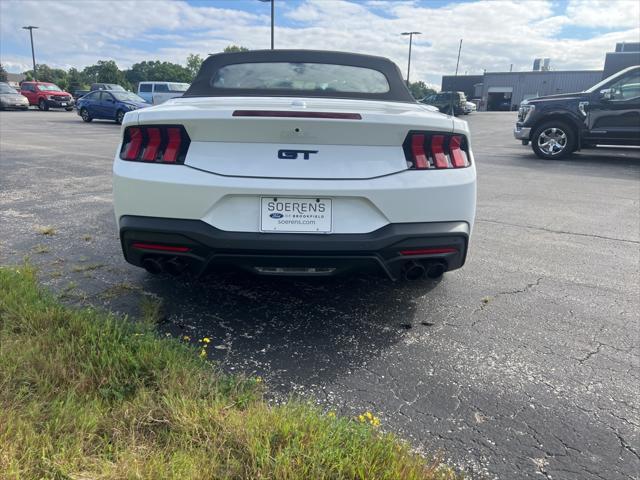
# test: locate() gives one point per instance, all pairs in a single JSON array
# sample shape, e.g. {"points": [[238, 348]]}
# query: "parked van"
{"points": [[160, 92]]}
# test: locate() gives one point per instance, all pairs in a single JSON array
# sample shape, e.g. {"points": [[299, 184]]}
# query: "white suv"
{"points": [[294, 162]]}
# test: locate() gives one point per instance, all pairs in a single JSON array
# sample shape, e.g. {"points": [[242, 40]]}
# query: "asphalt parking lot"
{"points": [[524, 364]]}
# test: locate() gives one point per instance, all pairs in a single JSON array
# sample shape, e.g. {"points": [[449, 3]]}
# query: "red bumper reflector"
{"points": [[132, 148], [280, 113], [417, 149], [458, 156], [164, 248], [428, 251], [437, 149]]}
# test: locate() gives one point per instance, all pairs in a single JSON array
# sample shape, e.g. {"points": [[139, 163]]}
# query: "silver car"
{"points": [[9, 98]]}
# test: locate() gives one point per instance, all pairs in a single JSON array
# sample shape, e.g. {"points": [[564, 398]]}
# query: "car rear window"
{"points": [[300, 76]]}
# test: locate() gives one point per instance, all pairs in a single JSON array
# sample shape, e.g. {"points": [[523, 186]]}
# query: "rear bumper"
{"points": [[201, 246]]}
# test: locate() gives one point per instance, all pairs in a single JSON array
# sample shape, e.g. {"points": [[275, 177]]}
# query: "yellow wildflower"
{"points": [[206, 340], [331, 414], [203, 353], [186, 338]]}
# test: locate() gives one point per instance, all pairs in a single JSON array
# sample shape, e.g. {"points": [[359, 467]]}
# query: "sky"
{"points": [[575, 34]]}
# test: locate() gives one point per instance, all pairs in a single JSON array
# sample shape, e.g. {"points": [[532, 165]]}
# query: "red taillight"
{"points": [[155, 143], [131, 148], [458, 155], [425, 150], [164, 248], [437, 150], [173, 145], [417, 150], [428, 251]]}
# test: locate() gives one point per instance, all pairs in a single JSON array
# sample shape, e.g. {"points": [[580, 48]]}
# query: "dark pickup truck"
{"points": [[606, 114]]}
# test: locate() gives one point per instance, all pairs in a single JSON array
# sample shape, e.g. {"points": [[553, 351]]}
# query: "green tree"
{"points": [[193, 64], [105, 71], [48, 74], [234, 49], [157, 71], [77, 80], [3, 74], [420, 89]]}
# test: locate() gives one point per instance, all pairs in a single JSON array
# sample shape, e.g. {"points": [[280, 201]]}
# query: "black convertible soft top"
{"points": [[202, 86]]}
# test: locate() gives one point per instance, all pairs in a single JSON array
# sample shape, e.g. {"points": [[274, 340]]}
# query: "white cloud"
{"points": [[496, 33], [605, 13]]}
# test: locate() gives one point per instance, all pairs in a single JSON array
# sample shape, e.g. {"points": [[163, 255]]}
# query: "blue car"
{"points": [[108, 105]]}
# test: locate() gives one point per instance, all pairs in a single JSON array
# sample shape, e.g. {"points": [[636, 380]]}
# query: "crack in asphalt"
{"points": [[487, 300], [591, 353], [561, 232]]}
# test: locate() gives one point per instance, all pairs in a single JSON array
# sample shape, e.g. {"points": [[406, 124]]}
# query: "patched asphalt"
{"points": [[523, 364]]}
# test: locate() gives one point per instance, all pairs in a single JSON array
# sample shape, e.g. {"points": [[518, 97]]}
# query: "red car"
{"points": [[46, 95]]}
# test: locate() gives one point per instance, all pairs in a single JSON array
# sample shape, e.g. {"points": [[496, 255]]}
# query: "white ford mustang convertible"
{"points": [[295, 162]]}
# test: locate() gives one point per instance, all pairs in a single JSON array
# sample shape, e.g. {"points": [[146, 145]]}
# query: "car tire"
{"points": [[119, 117], [554, 140], [84, 114], [42, 105]]}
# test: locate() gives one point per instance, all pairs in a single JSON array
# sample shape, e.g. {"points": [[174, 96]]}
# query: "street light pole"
{"points": [[33, 55], [272, 19], [411, 34]]}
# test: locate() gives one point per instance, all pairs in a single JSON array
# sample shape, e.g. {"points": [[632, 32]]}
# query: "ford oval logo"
{"points": [[276, 215]]}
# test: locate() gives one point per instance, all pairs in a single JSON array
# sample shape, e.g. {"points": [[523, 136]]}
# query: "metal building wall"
{"points": [[539, 83], [461, 83]]}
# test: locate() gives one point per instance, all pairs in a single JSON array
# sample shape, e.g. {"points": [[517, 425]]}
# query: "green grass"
{"points": [[88, 395]]}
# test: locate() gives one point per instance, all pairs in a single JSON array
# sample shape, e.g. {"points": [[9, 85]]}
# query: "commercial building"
{"points": [[506, 90]]}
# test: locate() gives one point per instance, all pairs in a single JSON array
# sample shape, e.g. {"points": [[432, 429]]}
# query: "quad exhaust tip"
{"points": [[174, 266], [435, 270], [415, 271], [152, 265]]}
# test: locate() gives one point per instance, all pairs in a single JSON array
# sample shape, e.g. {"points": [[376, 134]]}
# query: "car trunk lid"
{"points": [[296, 137]]}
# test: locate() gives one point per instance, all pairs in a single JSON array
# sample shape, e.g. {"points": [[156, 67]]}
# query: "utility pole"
{"points": [[272, 21], [33, 55], [273, 8], [458, 62], [411, 34]]}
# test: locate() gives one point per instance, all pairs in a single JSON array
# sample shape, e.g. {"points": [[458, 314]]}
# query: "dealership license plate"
{"points": [[64, 104], [301, 215]]}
